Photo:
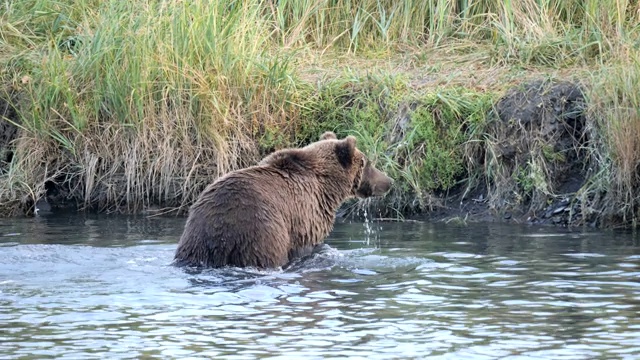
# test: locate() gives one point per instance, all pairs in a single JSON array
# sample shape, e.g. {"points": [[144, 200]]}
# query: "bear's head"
{"points": [[338, 162], [366, 179]]}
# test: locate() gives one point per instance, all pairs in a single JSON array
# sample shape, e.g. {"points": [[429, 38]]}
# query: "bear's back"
{"points": [[257, 216]]}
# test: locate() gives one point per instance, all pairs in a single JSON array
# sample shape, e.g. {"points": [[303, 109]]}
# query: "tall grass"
{"points": [[539, 31], [144, 102], [155, 98]]}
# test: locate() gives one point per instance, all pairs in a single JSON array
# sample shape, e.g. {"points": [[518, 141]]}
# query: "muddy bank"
{"points": [[536, 155]]}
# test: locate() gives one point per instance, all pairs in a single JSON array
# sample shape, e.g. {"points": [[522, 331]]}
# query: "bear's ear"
{"points": [[345, 151], [328, 135]]}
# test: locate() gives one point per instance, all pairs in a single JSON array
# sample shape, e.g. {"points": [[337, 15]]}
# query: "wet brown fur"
{"points": [[267, 215]]}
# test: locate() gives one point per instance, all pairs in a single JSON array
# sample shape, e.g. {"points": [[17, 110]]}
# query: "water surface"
{"points": [[86, 287]]}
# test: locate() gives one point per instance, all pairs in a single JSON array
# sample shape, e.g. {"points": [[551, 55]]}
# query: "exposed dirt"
{"points": [[540, 114], [540, 137]]}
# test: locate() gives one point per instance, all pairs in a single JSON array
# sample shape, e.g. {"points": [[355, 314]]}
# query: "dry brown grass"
{"points": [[614, 109]]}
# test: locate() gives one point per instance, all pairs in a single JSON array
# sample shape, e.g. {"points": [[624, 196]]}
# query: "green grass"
{"points": [[417, 138], [140, 104]]}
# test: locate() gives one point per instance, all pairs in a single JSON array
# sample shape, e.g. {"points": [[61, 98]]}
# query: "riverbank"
{"points": [[513, 112]]}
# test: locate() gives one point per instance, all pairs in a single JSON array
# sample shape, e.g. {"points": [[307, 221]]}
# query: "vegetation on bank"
{"points": [[123, 106]]}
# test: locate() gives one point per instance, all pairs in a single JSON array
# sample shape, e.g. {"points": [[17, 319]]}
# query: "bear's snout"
{"points": [[381, 183], [374, 182]]}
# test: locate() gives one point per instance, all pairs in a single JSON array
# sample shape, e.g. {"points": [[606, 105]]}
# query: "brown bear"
{"points": [[266, 215]]}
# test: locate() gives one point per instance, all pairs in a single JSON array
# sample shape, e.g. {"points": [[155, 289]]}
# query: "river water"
{"points": [[83, 287]]}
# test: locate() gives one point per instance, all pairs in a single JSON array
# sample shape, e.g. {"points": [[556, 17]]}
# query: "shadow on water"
{"points": [[103, 286]]}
